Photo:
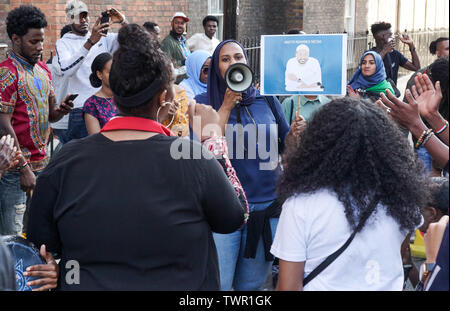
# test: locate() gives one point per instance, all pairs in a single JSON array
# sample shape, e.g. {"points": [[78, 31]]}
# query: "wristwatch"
{"points": [[427, 268]]}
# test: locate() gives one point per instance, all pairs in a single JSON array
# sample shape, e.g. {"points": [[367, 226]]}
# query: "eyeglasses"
{"points": [[205, 70]]}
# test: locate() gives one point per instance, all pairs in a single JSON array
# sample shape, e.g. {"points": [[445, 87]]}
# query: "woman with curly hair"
{"points": [[118, 202], [352, 174]]}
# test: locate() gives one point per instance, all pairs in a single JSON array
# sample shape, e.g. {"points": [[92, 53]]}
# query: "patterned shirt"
{"points": [[25, 91], [101, 108]]}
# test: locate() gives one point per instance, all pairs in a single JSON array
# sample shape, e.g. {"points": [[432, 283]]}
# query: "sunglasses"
{"points": [[205, 70]]}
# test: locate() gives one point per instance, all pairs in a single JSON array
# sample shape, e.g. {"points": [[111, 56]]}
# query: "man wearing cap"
{"points": [[175, 45], [75, 52]]}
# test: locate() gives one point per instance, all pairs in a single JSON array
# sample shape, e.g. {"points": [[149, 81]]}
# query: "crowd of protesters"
{"points": [[140, 208]]}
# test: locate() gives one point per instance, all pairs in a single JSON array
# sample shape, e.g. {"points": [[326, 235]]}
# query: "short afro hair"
{"points": [[433, 45], [23, 18], [210, 18], [377, 27]]}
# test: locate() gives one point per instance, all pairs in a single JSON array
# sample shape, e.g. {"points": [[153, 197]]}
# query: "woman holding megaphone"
{"points": [[244, 258]]}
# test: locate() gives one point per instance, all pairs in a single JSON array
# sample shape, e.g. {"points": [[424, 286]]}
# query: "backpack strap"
{"points": [[271, 104]]}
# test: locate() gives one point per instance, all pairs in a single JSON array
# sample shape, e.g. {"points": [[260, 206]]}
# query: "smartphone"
{"points": [[104, 19], [71, 97]]}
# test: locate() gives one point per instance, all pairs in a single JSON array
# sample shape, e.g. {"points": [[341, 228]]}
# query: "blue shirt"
{"points": [[251, 165]]}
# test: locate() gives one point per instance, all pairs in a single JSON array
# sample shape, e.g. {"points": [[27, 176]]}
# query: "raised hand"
{"points": [[405, 39], [116, 17], [97, 31], [426, 95]]}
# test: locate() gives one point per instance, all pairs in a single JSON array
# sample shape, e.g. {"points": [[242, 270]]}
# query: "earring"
{"points": [[157, 113]]}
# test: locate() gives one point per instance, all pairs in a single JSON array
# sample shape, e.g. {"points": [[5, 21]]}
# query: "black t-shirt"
{"points": [[132, 216], [392, 62]]}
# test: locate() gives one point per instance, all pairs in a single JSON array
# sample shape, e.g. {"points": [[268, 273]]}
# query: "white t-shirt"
{"points": [[74, 62], [313, 226], [200, 41], [60, 83], [308, 72]]}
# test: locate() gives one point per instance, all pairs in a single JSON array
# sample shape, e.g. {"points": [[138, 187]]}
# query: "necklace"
{"points": [[103, 96]]}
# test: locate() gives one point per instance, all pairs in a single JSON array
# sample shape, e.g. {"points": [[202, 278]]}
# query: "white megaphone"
{"points": [[239, 77]]}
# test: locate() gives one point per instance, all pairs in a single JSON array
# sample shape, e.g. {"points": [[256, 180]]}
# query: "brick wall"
{"points": [[4, 9], [251, 18], [196, 11], [258, 17], [361, 15], [136, 11], [294, 15], [323, 15]]}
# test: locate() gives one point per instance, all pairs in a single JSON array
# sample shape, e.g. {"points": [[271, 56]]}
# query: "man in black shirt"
{"points": [[392, 58]]}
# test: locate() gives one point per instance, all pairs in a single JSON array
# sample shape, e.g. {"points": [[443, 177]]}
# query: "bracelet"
{"points": [[90, 42], [412, 50], [422, 137], [443, 128], [21, 167], [426, 138]]}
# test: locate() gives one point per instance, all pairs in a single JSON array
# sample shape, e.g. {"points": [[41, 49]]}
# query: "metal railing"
{"points": [[253, 48], [356, 46]]}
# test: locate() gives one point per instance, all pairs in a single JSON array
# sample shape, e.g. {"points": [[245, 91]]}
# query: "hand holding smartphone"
{"points": [[104, 19], [70, 98]]}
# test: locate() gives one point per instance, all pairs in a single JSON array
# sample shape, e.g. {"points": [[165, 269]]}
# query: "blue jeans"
{"points": [[76, 128], [12, 204], [61, 134], [243, 274]]}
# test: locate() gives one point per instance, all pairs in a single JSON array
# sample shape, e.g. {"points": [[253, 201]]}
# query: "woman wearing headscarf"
{"points": [[244, 256], [369, 80], [121, 204], [197, 65]]}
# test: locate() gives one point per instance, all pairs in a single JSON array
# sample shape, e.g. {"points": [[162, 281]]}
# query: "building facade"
{"points": [[241, 19]]}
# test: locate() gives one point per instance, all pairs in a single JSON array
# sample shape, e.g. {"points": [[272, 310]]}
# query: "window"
{"points": [[350, 16], [215, 8]]}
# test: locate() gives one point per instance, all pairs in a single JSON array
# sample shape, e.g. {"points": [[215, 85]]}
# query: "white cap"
{"points": [[75, 8], [180, 14]]}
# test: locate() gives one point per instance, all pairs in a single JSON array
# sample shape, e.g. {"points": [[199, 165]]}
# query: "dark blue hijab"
{"points": [[216, 83], [360, 81]]}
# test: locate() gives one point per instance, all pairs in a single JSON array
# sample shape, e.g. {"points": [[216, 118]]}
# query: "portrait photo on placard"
{"points": [[304, 64]]}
